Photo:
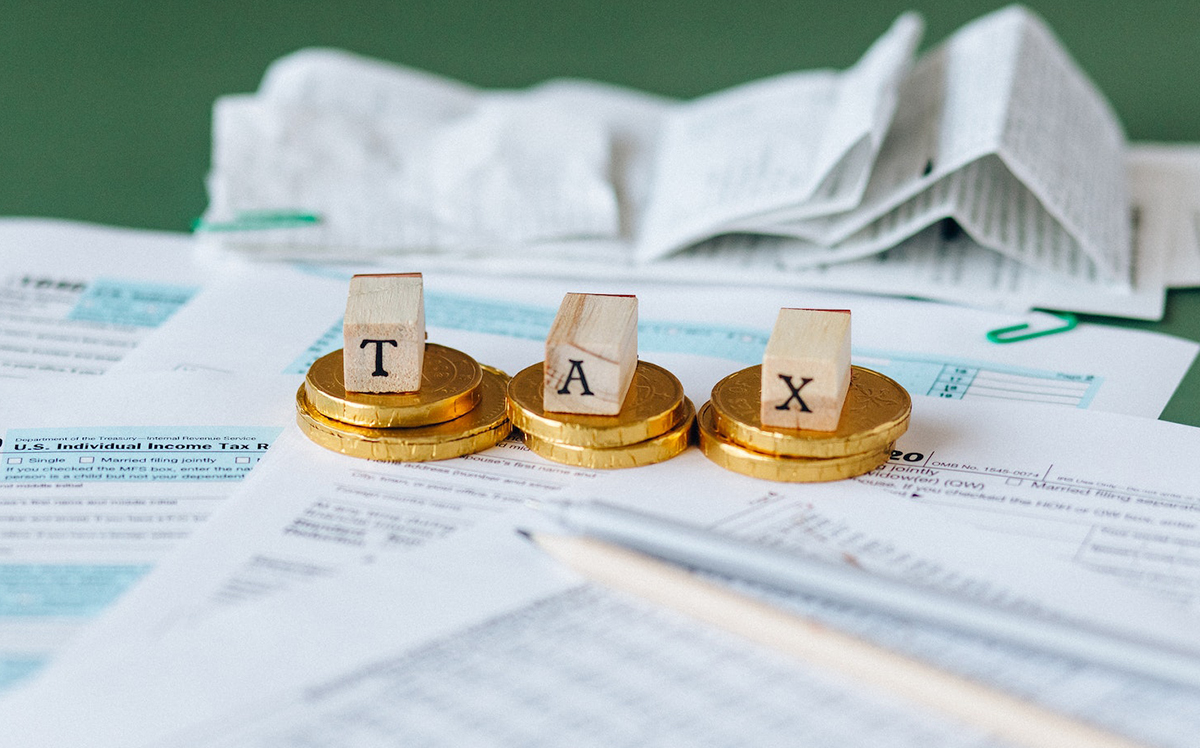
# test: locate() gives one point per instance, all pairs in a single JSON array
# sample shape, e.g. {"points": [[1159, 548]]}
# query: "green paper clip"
{"points": [[1005, 334], [256, 220]]}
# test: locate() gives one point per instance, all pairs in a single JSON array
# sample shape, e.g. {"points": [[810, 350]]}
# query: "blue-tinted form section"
{"points": [[63, 590], [16, 668], [135, 304]]}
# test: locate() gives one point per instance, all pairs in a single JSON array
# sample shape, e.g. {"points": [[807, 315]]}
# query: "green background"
{"points": [[105, 107]]}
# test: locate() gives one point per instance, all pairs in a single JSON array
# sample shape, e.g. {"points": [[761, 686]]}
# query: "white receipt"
{"points": [[939, 262], [808, 179], [422, 162], [991, 131], [1165, 182], [802, 144]]}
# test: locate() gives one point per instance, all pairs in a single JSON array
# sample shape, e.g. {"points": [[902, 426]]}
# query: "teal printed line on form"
{"points": [[258, 220], [131, 303], [937, 377]]}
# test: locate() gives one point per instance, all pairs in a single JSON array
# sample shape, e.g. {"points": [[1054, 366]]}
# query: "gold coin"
{"points": [[662, 447], [450, 387], [483, 427], [876, 413], [772, 467], [653, 407]]}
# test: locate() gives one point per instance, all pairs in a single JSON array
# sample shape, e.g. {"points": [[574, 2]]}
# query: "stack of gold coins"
{"points": [[459, 409], [732, 435], [655, 422]]}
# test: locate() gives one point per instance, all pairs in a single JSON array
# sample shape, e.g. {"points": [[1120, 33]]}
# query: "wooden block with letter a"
{"points": [[384, 331], [806, 369], [591, 354]]}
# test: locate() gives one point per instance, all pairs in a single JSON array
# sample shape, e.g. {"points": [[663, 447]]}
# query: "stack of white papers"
{"points": [[323, 597], [320, 606], [988, 172]]}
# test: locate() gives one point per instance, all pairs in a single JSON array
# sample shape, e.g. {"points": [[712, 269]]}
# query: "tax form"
{"points": [[308, 514], [490, 609], [1115, 494], [308, 519], [480, 640], [76, 299], [101, 479], [271, 320], [312, 514]]}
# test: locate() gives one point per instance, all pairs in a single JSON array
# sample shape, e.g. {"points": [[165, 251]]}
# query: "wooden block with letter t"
{"points": [[591, 354], [806, 369], [384, 331]]}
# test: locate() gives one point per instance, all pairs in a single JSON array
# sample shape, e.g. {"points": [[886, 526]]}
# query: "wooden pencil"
{"points": [[995, 712]]}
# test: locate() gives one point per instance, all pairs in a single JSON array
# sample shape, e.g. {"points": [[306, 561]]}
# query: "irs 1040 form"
{"points": [[308, 521], [1115, 494], [479, 640], [98, 486], [77, 299]]}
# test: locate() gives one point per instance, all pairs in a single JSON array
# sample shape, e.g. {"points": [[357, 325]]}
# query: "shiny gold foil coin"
{"points": [[659, 448], [654, 406], [773, 467], [498, 372], [876, 413], [479, 429], [450, 387]]}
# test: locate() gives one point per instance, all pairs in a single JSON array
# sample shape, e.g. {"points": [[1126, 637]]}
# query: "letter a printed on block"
{"points": [[591, 354]]}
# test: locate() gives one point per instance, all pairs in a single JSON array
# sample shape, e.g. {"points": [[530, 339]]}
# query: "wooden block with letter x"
{"points": [[806, 369], [384, 331], [591, 354]]}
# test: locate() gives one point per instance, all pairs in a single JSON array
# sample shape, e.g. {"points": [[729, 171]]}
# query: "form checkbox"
{"points": [[1013, 481], [87, 459], [242, 460], [14, 460]]}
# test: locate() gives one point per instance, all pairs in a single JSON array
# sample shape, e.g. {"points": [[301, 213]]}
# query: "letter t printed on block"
{"points": [[591, 354], [806, 369], [384, 331]]}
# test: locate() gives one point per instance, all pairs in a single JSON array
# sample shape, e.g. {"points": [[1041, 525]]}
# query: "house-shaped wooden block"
{"points": [[806, 369], [591, 354], [384, 331]]}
